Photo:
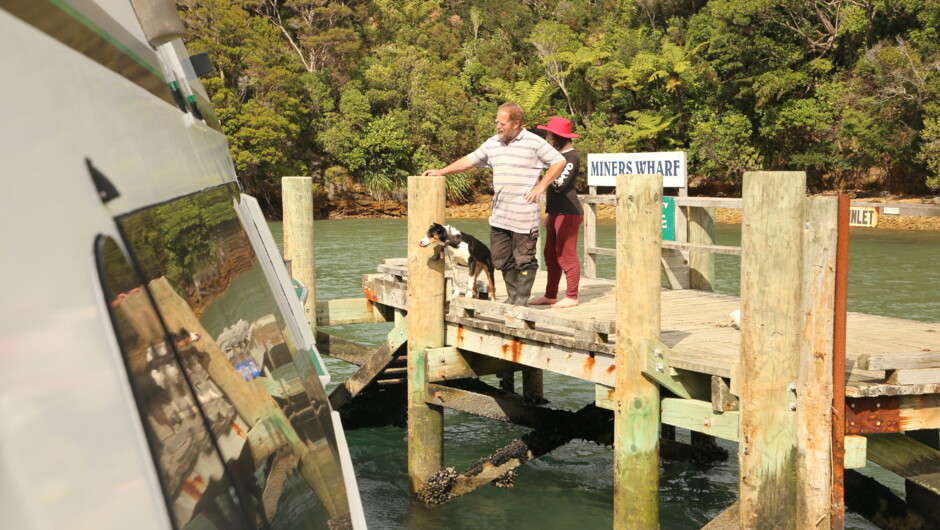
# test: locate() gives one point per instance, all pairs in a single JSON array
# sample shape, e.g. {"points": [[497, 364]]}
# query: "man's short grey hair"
{"points": [[514, 110]]}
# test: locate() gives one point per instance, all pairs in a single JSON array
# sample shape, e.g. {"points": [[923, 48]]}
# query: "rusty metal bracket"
{"points": [[872, 415]]}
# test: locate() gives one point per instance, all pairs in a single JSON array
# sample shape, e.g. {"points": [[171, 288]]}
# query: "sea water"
{"points": [[891, 273]]}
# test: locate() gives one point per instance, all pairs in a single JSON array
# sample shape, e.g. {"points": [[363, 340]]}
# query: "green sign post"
{"points": [[669, 218]]}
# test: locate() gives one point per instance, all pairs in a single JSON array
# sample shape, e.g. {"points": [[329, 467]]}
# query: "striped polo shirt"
{"points": [[517, 167]]}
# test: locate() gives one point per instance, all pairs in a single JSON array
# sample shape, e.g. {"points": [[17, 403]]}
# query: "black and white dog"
{"points": [[463, 249]]}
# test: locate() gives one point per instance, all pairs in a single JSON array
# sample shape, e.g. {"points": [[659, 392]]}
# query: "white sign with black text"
{"points": [[603, 168]]}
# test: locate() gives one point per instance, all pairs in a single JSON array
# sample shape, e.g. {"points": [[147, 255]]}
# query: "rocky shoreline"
{"points": [[361, 207]]}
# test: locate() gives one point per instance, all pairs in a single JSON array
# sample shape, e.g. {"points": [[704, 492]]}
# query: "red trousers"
{"points": [[561, 253]]}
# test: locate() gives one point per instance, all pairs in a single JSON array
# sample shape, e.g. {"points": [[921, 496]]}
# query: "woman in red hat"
{"points": [[565, 216]]}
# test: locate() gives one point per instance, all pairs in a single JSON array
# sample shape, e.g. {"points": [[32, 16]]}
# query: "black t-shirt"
{"points": [[562, 195]]}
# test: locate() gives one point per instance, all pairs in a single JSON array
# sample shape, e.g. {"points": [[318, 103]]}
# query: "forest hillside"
{"points": [[359, 94]]}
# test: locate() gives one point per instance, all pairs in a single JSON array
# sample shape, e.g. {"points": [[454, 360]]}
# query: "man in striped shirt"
{"points": [[517, 158]]}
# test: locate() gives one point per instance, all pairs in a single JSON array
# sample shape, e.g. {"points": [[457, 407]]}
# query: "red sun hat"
{"points": [[559, 127]]}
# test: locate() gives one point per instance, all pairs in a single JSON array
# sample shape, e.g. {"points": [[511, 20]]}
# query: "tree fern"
{"points": [[536, 99], [642, 130], [532, 97]]}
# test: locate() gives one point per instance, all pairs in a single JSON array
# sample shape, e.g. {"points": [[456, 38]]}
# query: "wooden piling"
{"points": [[702, 264], [425, 328], [702, 273], [532, 378], [676, 263], [814, 386], [636, 410], [533, 384], [297, 198], [590, 237], [771, 332]]}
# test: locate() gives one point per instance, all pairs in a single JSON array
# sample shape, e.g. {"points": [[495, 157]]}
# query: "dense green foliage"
{"points": [[370, 91]]}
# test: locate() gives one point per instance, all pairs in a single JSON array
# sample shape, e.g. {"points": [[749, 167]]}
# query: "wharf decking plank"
{"points": [[873, 337], [913, 360], [696, 325]]}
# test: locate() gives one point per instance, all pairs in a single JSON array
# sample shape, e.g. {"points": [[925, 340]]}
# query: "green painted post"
{"points": [[636, 399], [669, 219]]}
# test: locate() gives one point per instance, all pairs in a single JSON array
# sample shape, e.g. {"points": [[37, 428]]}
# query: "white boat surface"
{"points": [[157, 368]]}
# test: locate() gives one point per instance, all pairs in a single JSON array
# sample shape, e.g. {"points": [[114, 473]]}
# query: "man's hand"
{"points": [[533, 194], [432, 173], [550, 174]]}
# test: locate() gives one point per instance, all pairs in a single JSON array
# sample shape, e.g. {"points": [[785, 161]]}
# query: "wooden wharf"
{"points": [[697, 327], [808, 391]]}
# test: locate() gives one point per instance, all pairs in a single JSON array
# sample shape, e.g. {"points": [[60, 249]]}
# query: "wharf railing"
{"points": [[688, 261]]}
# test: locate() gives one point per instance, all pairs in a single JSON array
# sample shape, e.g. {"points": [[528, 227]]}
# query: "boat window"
{"points": [[269, 414], [191, 472]]}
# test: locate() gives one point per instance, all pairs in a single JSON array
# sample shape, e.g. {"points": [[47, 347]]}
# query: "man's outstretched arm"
{"points": [[456, 167]]}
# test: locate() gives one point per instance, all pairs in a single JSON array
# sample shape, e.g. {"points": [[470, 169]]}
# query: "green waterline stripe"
{"points": [[208, 111], [90, 24], [316, 362]]}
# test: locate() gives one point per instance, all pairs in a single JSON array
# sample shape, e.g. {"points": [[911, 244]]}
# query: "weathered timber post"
{"points": [[507, 381], [590, 236], [297, 198], [533, 388], [814, 386], [636, 409], [702, 232], [682, 220], [425, 328], [702, 271], [676, 264], [771, 331]]}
